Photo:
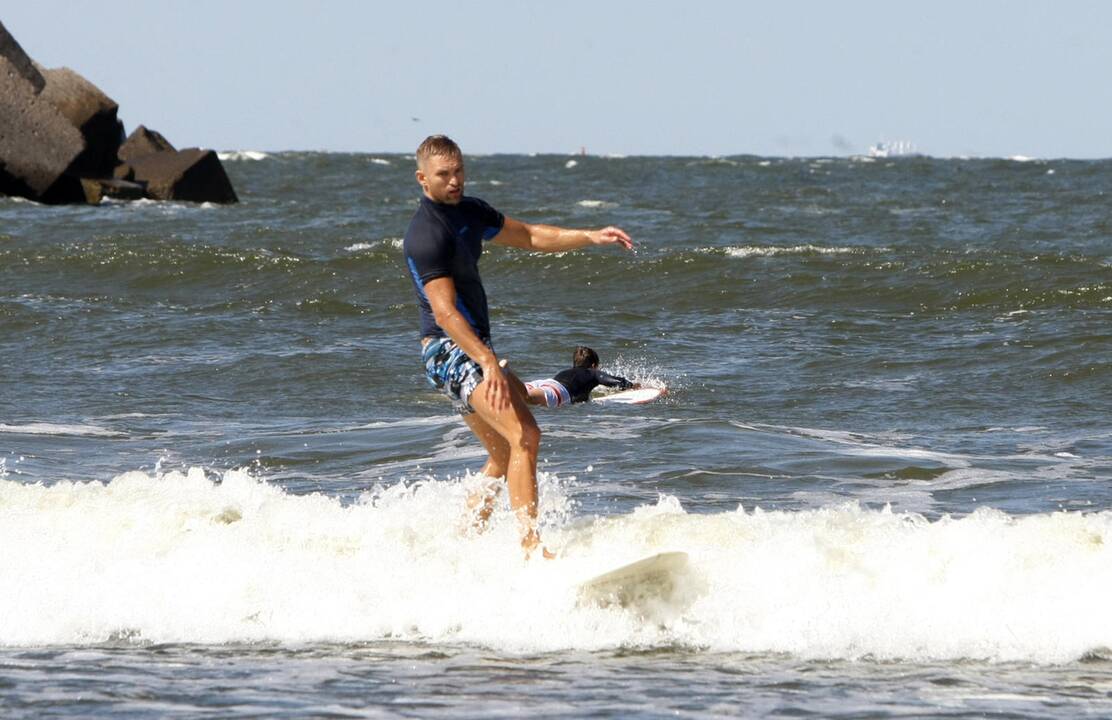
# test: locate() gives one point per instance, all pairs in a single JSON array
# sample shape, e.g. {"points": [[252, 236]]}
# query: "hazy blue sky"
{"points": [[710, 78]]}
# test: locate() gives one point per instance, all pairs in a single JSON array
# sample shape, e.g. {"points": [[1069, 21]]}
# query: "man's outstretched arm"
{"points": [[549, 238]]}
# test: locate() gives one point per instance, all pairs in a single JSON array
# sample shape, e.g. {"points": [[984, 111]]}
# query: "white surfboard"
{"points": [[634, 585], [632, 397]]}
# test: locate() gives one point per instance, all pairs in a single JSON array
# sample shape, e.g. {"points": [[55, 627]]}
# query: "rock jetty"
{"points": [[62, 142]]}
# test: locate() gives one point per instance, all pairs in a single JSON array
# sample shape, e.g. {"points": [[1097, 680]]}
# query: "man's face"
{"points": [[441, 177]]}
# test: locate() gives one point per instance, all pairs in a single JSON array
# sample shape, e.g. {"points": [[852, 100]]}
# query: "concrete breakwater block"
{"points": [[192, 174], [98, 189], [143, 141], [90, 111], [61, 141], [38, 145], [20, 61]]}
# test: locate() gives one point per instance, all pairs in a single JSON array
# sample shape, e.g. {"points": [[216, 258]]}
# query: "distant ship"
{"points": [[897, 148]]}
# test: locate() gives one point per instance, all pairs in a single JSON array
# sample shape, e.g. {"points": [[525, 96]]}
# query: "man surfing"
{"points": [[442, 248]]}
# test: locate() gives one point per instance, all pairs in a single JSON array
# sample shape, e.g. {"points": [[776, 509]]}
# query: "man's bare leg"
{"points": [[481, 501], [518, 429]]}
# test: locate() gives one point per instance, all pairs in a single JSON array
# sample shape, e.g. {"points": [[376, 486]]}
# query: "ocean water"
{"points": [[226, 490]]}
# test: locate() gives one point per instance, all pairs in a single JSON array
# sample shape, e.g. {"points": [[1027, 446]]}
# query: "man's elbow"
{"points": [[444, 316], [441, 318]]}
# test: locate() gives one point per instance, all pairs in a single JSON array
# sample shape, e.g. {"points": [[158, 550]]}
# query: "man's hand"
{"points": [[609, 236], [496, 386]]}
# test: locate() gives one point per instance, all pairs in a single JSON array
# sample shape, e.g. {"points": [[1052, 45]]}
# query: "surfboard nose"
{"points": [[642, 585]]}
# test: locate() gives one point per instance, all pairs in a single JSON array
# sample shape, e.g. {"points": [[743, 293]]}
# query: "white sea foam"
{"points": [[380, 161], [361, 246], [198, 558], [713, 161], [875, 446], [408, 422], [856, 444], [59, 429], [772, 250], [570, 164], [236, 155], [125, 416], [165, 207], [596, 204]]}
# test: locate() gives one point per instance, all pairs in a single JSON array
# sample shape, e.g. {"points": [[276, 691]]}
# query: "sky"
{"points": [[776, 78]]}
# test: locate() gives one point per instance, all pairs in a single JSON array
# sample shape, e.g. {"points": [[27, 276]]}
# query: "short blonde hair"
{"points": [[437, 145]]}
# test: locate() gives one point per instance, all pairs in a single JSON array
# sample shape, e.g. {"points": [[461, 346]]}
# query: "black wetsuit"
{"points": [[446, 241], [580, 381]]}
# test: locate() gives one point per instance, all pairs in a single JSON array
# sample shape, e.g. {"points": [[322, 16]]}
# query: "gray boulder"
{"points": [[91, 112], [192, 174], [38, 145], [61, 141], [143, 141], [123, 171], [99, 188], [21, 63]]}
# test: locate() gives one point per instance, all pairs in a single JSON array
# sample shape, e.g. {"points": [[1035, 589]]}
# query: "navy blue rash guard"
{"points": [[580, 381], [446, 241]]}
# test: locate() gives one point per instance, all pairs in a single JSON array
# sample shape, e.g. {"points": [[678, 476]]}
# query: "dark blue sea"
{"points": [[227, 491]]}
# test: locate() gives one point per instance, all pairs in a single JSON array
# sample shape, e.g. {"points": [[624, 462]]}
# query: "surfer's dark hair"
{"points": [[584, 357], [438, 145]]}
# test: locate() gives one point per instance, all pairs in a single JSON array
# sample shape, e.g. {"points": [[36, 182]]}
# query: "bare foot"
{"points": [[480, 503], [531, 542], [545, 553]]}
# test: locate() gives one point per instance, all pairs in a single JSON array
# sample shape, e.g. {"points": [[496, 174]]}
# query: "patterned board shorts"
{"points": [[449, 369]]}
